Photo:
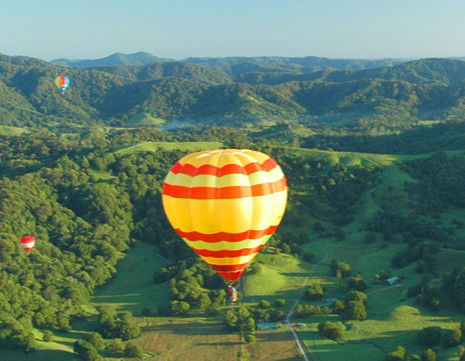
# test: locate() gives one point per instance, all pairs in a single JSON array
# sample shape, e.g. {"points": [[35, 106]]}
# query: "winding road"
{"points": [[306, 354]]}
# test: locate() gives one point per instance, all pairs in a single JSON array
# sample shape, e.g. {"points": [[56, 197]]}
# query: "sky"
{"points": [[50, 29]]}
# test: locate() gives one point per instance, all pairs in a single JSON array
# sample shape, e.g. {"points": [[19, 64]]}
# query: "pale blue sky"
{"points": [[50, 29]]}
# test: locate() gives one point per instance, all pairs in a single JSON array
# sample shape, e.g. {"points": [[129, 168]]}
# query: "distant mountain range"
{"points": [[139, 58], [234, 65], [258, 91]]}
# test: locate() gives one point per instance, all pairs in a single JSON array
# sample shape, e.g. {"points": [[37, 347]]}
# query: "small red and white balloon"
{"points": [[28, 243]]}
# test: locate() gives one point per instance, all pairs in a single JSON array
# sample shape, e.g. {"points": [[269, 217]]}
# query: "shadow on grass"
{"points": [[189, 328], [296, 274], [383, 343], [39, 355], [213, 343]]}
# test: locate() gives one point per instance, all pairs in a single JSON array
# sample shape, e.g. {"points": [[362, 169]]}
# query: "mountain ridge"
{"points": [[387, 98], [229, 64], [115, 59]]}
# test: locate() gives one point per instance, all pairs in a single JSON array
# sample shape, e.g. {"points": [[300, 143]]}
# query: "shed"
{"points": [[330, 299], [393, 281], [267, 325]]}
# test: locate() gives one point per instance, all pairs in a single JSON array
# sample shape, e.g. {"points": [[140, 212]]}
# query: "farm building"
{"points": [[330, 299], [267, 325], [393, 281]]}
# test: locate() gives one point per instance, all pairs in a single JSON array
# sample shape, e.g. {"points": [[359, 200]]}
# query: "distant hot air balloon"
{"points": [[225, 204], [28, 243], [62, 82]]}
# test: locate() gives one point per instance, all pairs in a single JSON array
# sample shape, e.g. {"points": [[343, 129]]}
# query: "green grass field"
{"points": [[392, 318], [153, 146], [132, 288], [280, 276], [9, 131]]}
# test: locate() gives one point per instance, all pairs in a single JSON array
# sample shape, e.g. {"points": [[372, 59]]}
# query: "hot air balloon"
{"points": [[225, 204], [62, 83], [28, 243]]}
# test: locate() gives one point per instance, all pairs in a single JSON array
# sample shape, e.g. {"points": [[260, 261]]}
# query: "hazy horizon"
{"points": [[238, 56]]}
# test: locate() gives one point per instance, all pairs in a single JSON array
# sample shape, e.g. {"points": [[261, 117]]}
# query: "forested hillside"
{"points": [[87, 198], [378, 101]]}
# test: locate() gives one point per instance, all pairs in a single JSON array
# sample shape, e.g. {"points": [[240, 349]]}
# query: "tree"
{"points": [[429, 355], [250, 339], [47, 336], [286, 248], [95, 340], [280, 302], [414, 357], [430, 336], [339, 269], [299, 311], [462, 327], [332, 330], [115, 346], [338, 307], [279, 315], [231, 320], [86, 351], [247, 325], [354, 310], [357, 283], [452, 337], [180, 307], [460, 351], [399, 354], [133, 350], [146, 312], [127, 328], [314, 292], [204, 301], [107, 320], [16, 334], [356, 296], [264, 304], [455, 284]]}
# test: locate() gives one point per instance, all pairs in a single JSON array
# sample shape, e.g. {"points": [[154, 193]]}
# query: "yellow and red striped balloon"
{"points": [[225, 204]]}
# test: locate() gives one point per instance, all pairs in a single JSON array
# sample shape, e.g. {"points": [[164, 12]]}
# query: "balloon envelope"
{"points": [[62, 83], [28, 243], [225, 204]]}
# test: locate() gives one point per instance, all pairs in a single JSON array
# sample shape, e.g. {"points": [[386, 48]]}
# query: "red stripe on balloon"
{"points": [[228, 253], [27, 239], [208, 169], [263, 189], [224, 236], [230, 268], [231, 276]]}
